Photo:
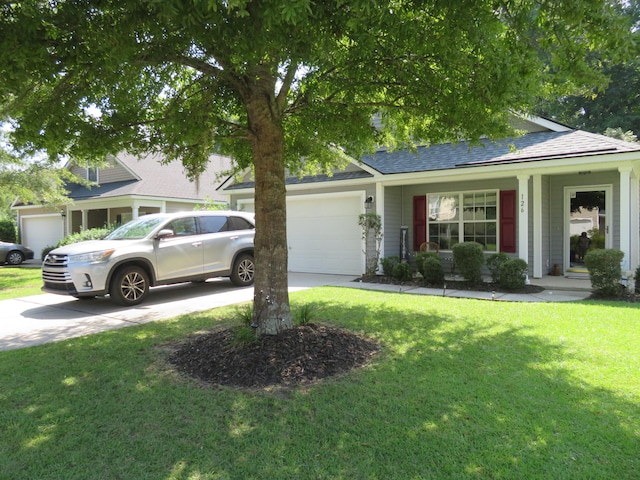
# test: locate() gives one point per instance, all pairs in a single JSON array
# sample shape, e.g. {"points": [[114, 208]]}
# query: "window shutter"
{"points": [[508, 221], [419, 221]]}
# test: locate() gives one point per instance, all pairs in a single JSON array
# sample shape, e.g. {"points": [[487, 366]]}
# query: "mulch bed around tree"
{"points": [[301, 355]]}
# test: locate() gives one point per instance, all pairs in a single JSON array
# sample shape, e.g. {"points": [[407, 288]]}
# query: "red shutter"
{"points": [[419, 221], [508, 221]]}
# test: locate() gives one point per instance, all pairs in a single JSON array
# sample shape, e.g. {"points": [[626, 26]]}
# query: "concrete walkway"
{"points": [[39, 319]]}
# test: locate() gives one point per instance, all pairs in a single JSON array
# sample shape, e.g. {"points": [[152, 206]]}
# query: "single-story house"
{"points": [[520, 196], [126, 187]]}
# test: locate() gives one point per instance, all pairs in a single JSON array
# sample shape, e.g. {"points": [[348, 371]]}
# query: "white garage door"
{"points": [[323, 234], [39, 232]]}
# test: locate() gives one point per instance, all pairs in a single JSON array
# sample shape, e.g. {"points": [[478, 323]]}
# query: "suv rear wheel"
{"points": [[243, 271], [129, 286]]}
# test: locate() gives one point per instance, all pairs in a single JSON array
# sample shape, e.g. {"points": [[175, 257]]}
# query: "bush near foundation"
{"points": [[494, 262], [388, 263], [605, 271], [512, 274], [402, 272], [430, 267], [469, 259]]}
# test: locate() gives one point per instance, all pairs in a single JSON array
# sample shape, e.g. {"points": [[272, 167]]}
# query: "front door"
{"points": [[587, 224]]}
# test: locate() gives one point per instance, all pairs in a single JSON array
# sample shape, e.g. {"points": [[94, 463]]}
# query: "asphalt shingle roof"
{"points": [[311, 179], [528, 148], [158, 180]]}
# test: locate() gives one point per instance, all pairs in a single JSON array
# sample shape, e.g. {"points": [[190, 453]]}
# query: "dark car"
{"points": [[14, 253]]}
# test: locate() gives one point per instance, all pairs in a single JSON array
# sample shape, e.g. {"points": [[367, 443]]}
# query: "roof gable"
{"points": [[148, 176]]}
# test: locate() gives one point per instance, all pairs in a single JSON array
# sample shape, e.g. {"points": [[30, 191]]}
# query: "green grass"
{"points": [[19, 282], [463, 389]]}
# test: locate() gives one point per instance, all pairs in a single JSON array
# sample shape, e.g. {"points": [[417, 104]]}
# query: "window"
{"points": [[463, 217], [213, 224], [183, 227], [239, 223], [92, 174]]}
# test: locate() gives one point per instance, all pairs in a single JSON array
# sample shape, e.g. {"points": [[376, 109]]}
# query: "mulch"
{"points": [[450, 285], [301, 355]]}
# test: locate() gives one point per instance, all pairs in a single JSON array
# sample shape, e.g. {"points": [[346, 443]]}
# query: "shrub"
{"points": [[45, 251], [637, 279], [512, 274], [387, 265], [421, 257], [402, 272], [605, 271], [7, 230], [469, 259], [90, 234], [494, 262], [432, 271]]}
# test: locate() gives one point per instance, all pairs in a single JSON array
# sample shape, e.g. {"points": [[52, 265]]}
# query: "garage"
{"points": [[323, 233], [40, 231]]}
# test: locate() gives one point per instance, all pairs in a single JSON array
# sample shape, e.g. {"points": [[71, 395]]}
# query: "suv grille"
{"points": [[54, 269]]}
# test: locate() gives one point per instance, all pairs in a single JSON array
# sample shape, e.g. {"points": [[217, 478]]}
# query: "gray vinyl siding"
{"points": [[114, 172], [393, 221]]}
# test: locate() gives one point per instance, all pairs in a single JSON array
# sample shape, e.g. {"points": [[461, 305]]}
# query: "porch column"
{"points": [[523, 217], [537, 226], [634, 257], [625, 215], [85, 219], [379, 203]]}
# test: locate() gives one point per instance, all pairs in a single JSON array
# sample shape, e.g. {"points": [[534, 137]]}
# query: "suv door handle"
{"points": [[235, 237], [196, 244]]}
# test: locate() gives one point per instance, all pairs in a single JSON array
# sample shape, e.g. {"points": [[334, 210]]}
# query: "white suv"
{"points": [[155, 249]]}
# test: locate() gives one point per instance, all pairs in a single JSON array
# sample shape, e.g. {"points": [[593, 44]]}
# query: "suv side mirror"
{"points": [[164, 233]]}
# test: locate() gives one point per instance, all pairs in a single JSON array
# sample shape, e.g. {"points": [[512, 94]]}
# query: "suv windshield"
{"points": [[135, 229]]}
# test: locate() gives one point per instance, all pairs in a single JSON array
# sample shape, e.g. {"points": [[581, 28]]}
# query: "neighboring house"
{"points": [[127, 188], [512, 196]]}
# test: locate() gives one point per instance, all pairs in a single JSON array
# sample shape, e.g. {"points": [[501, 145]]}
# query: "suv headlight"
{"points": [[91, 257]]}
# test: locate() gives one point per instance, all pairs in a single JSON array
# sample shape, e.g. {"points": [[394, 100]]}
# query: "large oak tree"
{"points": [[286, 84]]}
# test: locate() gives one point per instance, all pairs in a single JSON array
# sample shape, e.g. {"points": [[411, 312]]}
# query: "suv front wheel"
{"points": [[129, 286], [243, 271]]}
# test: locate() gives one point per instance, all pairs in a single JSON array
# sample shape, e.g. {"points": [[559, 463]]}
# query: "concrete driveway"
{"points": [[47, 318]]}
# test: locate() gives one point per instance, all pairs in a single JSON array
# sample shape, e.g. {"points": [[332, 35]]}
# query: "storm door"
{"points": [[587, 222]]}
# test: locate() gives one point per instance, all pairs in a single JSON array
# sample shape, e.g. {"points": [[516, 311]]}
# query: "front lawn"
{"points": [[462, 389], [19, 282]]}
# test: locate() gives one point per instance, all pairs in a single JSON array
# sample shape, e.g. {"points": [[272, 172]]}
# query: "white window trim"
{"points": [[461, 220], [97, 173]]}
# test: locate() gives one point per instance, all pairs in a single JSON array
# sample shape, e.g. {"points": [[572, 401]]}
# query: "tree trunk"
{"points": [[271, 312]]}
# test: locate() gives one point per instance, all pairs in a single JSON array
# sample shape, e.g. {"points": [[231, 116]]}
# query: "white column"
{"points": [[625, 215], [634, 257], [85, 220], [379, 203], [523, 217], [537, 226]]}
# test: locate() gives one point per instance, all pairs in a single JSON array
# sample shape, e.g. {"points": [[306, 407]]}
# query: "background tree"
{"points": [[272, 82], [32, 180], [613, 109]]}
